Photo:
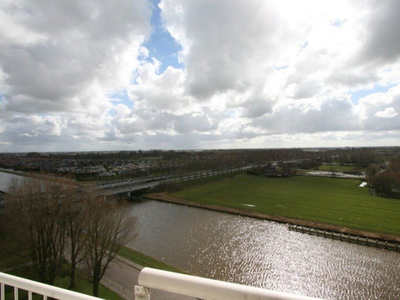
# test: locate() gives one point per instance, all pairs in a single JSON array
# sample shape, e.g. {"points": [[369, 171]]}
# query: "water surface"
{"points": [[264, 254], [6, 179]]}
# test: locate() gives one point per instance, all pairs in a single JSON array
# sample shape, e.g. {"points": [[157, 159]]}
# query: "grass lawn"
{"points": [[10, 252], [85, 287], [145, 260], [327, 200]]}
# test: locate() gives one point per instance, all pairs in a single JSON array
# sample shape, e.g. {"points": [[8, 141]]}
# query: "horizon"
{"points": [[178, 75], [203, 150]]}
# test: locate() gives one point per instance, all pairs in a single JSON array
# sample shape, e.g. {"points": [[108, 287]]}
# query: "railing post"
{"points": [[142, 293], [38, 288]]}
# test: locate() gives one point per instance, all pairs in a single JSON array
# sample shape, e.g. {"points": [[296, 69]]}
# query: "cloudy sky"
{"points": [[176, 74]]}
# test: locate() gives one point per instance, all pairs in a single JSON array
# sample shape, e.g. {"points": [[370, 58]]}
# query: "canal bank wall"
{"points": [[393, 239], [347, 237]]}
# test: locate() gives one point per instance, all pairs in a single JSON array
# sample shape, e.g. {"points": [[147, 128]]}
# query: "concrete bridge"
{"points": [[143, 183]]}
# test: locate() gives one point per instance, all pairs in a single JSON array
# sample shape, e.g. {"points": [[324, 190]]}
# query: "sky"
{"points": [[106, 75]]}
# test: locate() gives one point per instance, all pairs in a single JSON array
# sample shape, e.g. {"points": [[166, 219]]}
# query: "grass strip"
{"points": [[146, 261]]}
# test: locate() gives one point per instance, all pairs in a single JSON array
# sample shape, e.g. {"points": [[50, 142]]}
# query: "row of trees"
{"points": [[54, 222], [385, 179]]}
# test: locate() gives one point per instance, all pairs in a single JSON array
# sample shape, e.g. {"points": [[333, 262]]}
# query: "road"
{"points": [[122, 276], [149, 182]]}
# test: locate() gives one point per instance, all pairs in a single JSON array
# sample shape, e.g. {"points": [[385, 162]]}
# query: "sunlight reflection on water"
{"points": [[264, 254]]}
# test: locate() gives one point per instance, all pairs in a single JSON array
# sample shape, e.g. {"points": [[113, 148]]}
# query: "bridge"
{"points": [[143, 183], [128, 187]]}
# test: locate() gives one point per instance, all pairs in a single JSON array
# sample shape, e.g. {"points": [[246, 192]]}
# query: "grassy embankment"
{"points": [[331, 201], [145, 261]]}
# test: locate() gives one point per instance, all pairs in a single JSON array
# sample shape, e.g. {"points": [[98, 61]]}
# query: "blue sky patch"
{"points": [[355, 96], [304, 45], [121, 97], [277, 67], [338, 22], [161, 44]]}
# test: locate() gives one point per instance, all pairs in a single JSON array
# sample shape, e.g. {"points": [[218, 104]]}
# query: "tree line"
{"points": [[54, 224], [384, 179]]}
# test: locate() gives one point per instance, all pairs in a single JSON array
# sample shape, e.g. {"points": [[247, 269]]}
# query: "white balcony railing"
{"points": [[203, 288], [33, 287], [186, 285]]}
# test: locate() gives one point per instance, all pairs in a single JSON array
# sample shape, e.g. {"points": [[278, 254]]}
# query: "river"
{"points": [[6, 180], [263, 254]]}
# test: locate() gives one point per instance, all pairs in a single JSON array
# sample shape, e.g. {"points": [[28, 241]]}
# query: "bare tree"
{"points": [[110, 226], [75, 210], [50, 220], [385, 179], [38, 224]]}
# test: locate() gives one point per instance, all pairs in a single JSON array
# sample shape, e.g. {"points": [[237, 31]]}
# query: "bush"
{"points": [[253, 172], [65, 270]]}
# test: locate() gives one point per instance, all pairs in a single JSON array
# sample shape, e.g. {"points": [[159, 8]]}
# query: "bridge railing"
{"points": [[19, 284], [203, 288]]}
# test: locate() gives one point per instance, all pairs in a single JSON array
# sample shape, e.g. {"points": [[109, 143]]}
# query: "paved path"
{"points": [[122, 276]]}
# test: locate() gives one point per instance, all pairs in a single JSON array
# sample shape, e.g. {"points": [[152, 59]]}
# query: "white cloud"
{"points": [[160, 91], [388, 113], [382, 43], [256, 73], [378, 111], [65, 50], [62, 60]]}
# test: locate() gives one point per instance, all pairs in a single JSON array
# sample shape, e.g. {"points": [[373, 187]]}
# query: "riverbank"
{"points": [[335, 201], [280, 219], [40, 176], [142, 260]]}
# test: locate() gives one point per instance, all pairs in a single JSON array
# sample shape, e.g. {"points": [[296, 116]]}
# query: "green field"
{"points": [[333, 201]]}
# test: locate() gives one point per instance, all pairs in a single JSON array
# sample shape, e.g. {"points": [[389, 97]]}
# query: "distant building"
{"points": [[107, 174], [270, 170]]}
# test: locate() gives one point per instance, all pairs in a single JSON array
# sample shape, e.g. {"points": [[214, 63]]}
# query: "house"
{"points": [[270, 170]]}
